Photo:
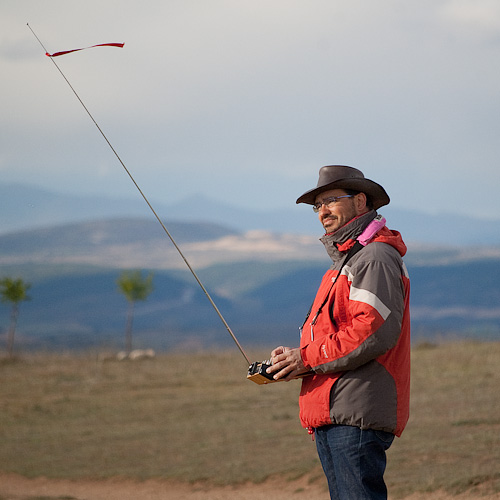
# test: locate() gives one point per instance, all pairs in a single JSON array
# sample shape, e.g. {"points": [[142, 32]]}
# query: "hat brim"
{"points": [[374, 191]]}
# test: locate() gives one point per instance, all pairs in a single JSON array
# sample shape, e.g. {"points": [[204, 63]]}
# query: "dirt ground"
{"points": [[15, 487]]}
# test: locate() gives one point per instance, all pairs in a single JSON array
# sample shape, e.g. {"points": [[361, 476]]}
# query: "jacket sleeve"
{"points": [[367, 313]]}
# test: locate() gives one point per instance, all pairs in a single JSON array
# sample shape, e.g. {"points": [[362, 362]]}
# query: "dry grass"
{"points": [[453, 438], [195, 417], [188, 417]]}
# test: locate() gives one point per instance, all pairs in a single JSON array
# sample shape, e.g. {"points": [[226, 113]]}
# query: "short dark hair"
{"points": [[353, 192]]}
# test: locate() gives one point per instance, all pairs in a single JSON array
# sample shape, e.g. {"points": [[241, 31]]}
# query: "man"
{"points": [[354, 354]]}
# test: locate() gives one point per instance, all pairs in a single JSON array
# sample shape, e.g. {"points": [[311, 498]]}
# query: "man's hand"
{"points": [[286, 363]]}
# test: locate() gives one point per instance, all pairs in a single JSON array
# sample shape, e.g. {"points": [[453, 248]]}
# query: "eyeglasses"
{"points": [[329, 202]]}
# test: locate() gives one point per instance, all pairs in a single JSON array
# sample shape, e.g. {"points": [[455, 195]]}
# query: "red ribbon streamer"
{"points": [[55, 54]]}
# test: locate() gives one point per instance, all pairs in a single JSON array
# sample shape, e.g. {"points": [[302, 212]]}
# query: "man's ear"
{"points": [[360, 202]]}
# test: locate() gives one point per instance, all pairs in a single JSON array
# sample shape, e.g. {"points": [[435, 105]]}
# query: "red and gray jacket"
{"points": [[359, 344]]}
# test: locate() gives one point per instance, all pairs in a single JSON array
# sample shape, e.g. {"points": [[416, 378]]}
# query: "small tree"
{"points": [[13, 291], [135, 287]]}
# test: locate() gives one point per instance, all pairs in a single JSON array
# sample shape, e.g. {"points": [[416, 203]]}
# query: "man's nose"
{"points": [[323, 209]]}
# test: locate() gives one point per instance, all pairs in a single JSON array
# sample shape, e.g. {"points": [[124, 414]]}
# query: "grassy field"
{"points": [[196, 417]]}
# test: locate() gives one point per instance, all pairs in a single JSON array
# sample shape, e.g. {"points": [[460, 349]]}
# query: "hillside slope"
{"points": [[262, 282]]}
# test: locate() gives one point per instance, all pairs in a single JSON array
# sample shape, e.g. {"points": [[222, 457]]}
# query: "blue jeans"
{"points": [[354, 461]]}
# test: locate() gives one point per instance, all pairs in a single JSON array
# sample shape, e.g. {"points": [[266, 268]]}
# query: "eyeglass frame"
{"points": [[329, 201]]}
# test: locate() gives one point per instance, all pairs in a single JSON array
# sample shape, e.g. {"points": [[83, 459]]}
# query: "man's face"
{"points": [[338, 214]]}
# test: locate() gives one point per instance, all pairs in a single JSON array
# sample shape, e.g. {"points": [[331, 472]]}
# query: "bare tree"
{"points": [[135, 287], [13, 291]]}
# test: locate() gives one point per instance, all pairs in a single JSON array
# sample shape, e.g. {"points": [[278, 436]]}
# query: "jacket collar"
{"points": [[335, 242]]}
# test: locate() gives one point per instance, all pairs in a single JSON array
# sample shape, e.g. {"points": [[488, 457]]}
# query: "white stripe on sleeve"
{"points": [[360, 295]]}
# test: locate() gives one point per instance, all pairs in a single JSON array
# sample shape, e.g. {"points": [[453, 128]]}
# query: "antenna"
{"points": [[148, 203]]}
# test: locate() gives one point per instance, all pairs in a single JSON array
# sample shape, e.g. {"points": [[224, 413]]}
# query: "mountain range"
{"points": [[27, 207], [261, 280]]}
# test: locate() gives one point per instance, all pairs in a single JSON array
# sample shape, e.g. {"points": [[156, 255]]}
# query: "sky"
{"points": [[244, 100]]}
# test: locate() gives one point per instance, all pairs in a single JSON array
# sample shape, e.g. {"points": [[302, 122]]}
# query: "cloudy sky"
{"points": [[244, 100]]}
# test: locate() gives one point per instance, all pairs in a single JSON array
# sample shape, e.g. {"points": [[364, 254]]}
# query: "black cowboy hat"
{"points": [[343, 177]]}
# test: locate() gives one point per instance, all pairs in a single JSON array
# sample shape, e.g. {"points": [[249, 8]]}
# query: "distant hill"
{"points": [[82, 238], [262, 282], [27, 207], [140, 243], [83, 308]]}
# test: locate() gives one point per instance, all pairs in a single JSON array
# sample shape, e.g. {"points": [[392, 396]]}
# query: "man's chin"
{"points": [[330, 228]]}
